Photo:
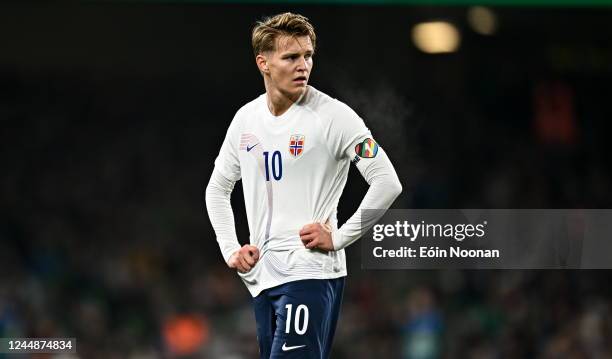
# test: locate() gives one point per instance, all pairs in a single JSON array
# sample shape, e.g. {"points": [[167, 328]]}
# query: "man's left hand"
{"points": [[317, 236]]}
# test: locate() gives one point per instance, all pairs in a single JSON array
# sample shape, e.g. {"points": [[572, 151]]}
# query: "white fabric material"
{"points": [[285, 190], [218, 205]]}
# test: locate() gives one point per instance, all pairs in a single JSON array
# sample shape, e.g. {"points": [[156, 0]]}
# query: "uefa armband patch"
{"points": [[367, 149]]}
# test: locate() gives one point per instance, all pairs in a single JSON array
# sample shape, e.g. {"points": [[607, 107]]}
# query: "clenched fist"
{"points": [[244, 259], [317, 236]]}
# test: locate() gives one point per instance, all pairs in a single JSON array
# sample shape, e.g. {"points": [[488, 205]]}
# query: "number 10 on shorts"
{"points": [[300, 326]]}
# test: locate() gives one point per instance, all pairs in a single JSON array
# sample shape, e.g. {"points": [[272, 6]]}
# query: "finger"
{"points": [[308, 237], [244, 264], [249, 258], [308, 228], [313, 231], [255, 254], [244, 252], [312, 244], [251, 249], [305, 243], [238, 265], [252, 252]]}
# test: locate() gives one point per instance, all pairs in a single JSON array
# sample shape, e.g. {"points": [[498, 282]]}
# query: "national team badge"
{"points": [[296, 145], [367, 149]]}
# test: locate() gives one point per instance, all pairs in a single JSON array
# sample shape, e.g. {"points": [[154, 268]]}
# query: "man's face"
{"points": [[290, 65]]}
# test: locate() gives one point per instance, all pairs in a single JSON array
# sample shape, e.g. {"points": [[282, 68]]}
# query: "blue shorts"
{"points": [[298, 319]]}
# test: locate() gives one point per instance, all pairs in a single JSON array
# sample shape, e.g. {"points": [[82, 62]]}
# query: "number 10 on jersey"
{"points": [[276, 163]]}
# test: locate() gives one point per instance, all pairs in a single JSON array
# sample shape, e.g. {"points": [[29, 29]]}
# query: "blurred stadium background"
{"points": [[111, 114]]}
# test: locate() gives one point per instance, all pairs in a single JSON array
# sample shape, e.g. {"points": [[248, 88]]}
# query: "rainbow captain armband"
{"points": [[367, 149]]}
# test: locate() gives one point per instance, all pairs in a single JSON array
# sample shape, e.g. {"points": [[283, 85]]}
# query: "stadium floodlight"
{"points": [[436, 37], [482, 20]]}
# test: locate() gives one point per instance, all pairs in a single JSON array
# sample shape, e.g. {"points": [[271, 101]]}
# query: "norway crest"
{"points": [[296, 145]]}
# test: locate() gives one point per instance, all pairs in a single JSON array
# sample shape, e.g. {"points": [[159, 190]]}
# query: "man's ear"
{"points": [[262, 63]]}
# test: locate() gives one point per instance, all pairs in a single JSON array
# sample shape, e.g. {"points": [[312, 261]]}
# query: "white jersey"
{"points": [[293, 169]]}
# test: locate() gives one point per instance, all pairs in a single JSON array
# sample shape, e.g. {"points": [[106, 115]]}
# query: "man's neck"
{"points": [[278, 103]]}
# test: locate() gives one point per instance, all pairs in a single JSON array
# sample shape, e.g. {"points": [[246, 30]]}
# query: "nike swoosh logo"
{"points": [[286, 348], [250, 148]]}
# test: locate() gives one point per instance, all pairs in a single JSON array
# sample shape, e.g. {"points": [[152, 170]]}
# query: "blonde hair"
{"points": [[266, 31]]}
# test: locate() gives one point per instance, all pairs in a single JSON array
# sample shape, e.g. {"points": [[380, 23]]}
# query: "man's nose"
{"points": [[302, 64]]}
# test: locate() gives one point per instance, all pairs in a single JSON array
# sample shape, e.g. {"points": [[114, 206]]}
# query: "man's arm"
{"points": [[384, 189], [218, 205], [348, 137]]}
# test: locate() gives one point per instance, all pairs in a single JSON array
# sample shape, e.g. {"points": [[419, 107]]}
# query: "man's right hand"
{"points": [[244, 259]]}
